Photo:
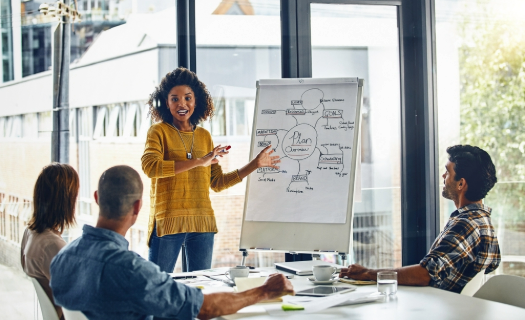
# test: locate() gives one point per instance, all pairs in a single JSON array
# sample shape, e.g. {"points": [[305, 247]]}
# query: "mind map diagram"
{"points": [[313, 139]]}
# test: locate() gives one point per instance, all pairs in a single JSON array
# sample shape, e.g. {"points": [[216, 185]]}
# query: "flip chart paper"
{"points": [[311, 128]]}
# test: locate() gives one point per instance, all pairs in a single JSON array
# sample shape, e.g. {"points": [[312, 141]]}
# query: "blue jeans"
{"points": [[164, 251]]}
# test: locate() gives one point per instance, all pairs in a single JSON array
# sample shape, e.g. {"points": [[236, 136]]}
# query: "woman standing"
{"points": [[54, 200], [182, 163]]}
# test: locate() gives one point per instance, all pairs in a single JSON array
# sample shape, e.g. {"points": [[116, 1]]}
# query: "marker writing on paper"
{"points": [[224, 150]]}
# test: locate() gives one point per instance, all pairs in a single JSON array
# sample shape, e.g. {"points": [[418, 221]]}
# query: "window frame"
{"points": [[419, 141]]}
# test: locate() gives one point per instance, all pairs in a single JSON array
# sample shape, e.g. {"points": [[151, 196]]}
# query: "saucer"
{"points": [[313, 281]]}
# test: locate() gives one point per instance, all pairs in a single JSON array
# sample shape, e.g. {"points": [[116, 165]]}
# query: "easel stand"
{"points": [[262, 232]]}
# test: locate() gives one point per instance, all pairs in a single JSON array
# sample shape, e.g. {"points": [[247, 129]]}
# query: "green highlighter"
{"points": [[292, 307]]}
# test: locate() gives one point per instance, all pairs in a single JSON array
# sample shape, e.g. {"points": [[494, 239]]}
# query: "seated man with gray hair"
{"points": [[99, 276]]}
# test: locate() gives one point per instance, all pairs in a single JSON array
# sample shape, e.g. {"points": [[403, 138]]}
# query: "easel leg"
{"points": [[244, 255], [343, 258]]}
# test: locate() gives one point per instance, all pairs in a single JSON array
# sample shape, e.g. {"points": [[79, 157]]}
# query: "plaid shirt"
{"points": [[467, 245]]}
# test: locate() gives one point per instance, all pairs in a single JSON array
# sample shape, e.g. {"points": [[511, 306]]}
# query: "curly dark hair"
{"points": [[476, 167], [158, 109]]}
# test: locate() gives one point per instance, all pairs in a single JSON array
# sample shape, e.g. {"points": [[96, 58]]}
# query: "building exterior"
{"points": [[236, 45], [27, 35]]}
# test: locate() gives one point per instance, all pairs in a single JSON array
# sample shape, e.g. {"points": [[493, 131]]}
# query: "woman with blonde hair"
{"points": [[54, 200]]}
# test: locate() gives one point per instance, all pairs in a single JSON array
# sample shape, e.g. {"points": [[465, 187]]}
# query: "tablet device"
{"points": [[321, 291]]}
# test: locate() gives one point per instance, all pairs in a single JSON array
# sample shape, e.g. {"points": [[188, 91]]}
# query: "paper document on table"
{"points": [[315, 304], [182, 275], [352, 297], [244, 284], [246, 311]]}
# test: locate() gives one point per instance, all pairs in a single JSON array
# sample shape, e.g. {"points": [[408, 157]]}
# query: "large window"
{"points": [[6, 41], [238, 43], [37, 32], [481, 76], [370, 51], [125, 120]]}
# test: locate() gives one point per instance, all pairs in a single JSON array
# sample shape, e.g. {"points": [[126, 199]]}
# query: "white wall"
{"points": [[128, 78]]}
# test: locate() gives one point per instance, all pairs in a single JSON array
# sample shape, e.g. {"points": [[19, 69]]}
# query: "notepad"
{"points": [[244, 284]]}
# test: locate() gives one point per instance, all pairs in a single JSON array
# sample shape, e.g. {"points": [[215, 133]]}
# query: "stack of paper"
{"points": [[314, 304]]}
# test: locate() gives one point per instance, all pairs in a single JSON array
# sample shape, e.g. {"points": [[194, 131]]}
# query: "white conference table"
{"points": [[410, 303]]}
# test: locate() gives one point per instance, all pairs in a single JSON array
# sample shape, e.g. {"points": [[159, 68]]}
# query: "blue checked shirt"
{"points": [[99, 276], [467, 245]]}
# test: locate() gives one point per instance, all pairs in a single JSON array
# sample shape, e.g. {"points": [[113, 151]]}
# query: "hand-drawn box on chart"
{"points": [[297, 102], [268, 111], [263, 144], [332, 113], [331, 158], [295, 112], [266, 132], [300, 178], [267, 170]]}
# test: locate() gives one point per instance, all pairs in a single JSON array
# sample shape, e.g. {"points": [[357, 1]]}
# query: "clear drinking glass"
{"points": [[387, 282]]}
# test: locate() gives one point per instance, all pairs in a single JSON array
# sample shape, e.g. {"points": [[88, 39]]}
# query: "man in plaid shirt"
{"points": [[468, 243]]}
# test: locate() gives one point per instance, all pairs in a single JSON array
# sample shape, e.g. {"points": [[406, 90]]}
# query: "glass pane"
{"points": [[238, 42], [120, 134], [36, 31], [362, 41], [21, 145], [481, 76], [6, 41]]}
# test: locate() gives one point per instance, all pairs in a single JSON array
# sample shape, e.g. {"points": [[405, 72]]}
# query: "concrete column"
{"points": [[1, 50], [30, 69], [17, 38]]}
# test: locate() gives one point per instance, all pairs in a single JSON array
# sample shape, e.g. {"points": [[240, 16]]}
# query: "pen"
{"points": [[228, 282], [224, 150], [183, 277]]}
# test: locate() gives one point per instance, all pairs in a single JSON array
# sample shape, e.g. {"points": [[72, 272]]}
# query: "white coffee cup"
{"points": [[323, 272], [237, 272]]}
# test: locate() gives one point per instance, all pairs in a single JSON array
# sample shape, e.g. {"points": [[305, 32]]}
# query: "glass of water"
{"points": [[387, 282]]}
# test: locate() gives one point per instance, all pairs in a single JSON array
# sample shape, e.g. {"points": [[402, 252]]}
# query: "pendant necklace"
{"points": [[188, 154]]}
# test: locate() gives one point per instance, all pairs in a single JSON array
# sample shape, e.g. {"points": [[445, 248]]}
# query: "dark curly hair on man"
{"points": [[158, 108], [476, 167]]}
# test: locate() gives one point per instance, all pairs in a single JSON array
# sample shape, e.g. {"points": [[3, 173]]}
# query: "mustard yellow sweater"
{"points": [[181, 202]]}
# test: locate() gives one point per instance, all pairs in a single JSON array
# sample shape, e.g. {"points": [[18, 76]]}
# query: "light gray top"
{"points": [[38, 249]]}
